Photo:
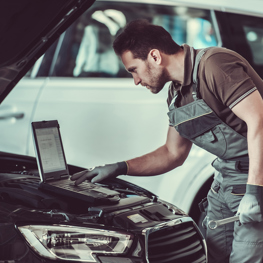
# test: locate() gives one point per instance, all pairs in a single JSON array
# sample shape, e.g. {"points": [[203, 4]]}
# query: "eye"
{"points": [[132, 70]]}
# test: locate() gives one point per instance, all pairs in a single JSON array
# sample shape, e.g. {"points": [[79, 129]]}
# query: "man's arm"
{"points": [[169, 156], [250, 110]]}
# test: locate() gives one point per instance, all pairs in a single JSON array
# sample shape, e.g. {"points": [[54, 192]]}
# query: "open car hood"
{"points": [[27, 30]]}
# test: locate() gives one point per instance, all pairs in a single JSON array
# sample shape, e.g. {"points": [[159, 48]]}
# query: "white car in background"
{"points": [[103, 116]]}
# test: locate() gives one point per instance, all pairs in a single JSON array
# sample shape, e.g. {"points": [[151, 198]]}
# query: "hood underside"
{"points": [[27, 30]]}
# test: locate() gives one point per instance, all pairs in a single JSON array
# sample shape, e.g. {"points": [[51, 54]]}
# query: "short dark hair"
{"points": [[140, 37]]}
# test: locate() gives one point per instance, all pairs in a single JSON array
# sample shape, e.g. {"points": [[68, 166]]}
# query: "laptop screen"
{"points": [[49, 149]]}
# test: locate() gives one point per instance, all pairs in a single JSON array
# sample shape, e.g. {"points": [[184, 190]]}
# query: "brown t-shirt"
{"points": [[225, 78]]}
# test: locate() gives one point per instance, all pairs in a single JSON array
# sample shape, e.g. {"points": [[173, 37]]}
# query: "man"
{"points": [[215, 102]]}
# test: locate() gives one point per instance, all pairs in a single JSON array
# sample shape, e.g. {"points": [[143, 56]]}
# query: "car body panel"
{"points": [[89, 98]]}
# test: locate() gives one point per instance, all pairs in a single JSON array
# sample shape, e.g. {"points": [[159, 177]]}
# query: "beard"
{"points": [[157, 79]]}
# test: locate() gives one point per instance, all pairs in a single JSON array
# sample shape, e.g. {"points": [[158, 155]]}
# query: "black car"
{"points": [[39, 226]]}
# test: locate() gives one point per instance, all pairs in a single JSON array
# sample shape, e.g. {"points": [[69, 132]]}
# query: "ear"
{"points": [[155, 56]]}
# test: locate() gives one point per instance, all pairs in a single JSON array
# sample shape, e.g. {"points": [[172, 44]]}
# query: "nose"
{"points": [[137, 80]]}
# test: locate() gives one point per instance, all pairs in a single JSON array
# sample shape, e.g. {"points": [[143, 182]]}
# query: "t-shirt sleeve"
{"points": [[227, 78]]}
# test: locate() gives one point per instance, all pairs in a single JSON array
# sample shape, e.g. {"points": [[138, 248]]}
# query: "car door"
{"points": [[16, 112]]}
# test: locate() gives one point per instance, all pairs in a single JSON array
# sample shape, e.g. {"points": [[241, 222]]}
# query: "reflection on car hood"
{"points": [[28, 28]]}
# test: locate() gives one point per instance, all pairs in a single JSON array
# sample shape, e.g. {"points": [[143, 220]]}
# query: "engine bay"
{"points": [[19, 187]]}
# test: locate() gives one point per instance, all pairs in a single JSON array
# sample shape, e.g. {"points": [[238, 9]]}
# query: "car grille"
{"points": [[178, 243]]}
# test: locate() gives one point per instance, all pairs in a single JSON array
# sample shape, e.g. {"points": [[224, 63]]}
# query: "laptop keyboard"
{"points": [[84, 188], [70, 185]]}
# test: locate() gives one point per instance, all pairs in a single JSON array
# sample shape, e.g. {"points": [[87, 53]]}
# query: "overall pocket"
{"points": [[236, 194], [203, 206], [213, 141]]}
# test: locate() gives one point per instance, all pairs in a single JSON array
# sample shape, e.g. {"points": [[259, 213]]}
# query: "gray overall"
{"points": [[197, 122]]}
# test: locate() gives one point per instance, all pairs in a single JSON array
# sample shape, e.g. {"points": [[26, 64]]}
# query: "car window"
{"points": [[246, 35], [86, 49], [254, 37]]}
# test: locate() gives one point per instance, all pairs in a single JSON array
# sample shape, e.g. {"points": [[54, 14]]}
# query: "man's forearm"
{"points": [[255, 148], [164, 159], [157, 162]]}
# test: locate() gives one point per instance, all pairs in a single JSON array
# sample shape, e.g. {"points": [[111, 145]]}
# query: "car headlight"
{"points": [[74, 243]]}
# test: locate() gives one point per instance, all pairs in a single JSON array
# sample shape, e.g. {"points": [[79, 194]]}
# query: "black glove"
{"points": [[100, 173], [251, 206]]}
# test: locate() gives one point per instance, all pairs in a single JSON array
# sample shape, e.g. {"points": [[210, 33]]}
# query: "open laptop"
{"points": [[53, 167]]}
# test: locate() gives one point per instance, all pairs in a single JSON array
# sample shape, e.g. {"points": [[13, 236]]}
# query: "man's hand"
{"points": [[100, 173], [251, 206]]}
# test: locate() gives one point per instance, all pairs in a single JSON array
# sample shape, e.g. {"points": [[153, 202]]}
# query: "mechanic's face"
{"points": [[147, 73]]}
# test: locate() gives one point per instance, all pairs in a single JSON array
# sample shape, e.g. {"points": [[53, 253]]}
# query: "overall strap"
{"points": [[195, 64], [198, 57]]}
